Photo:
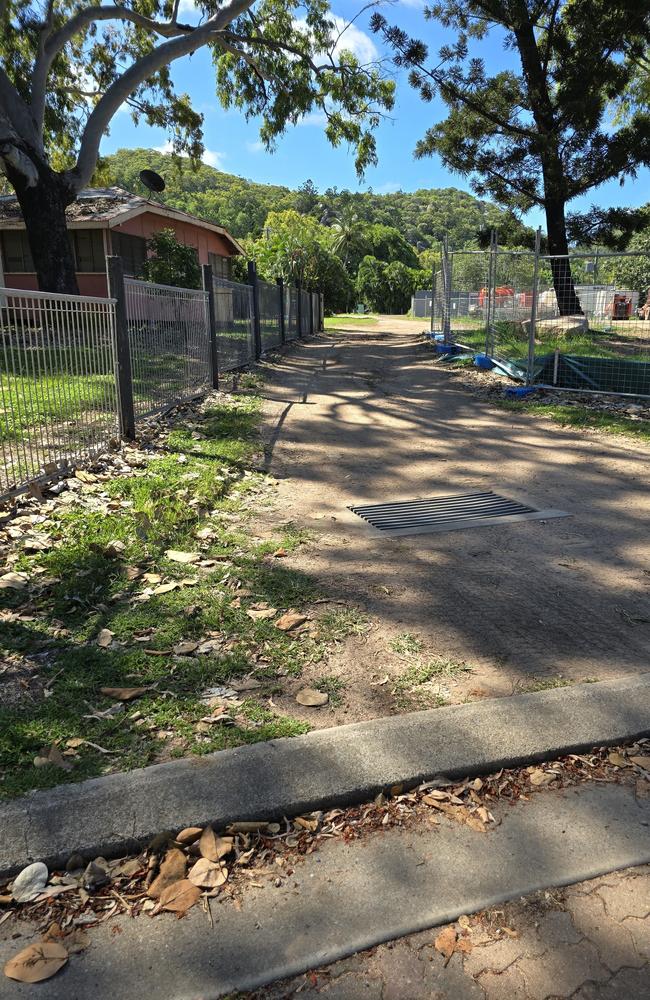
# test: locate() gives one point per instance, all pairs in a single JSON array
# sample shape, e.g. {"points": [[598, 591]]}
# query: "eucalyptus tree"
{"points": [[68, 66]]}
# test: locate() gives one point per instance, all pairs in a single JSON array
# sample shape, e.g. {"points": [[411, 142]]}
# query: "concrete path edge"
{"points": [[330, 767]]}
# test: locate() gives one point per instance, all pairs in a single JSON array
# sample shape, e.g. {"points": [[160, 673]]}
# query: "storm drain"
{"points": [[451, 513]]}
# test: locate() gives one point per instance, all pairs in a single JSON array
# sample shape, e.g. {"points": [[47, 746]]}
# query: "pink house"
{"points": [[110, 221]]}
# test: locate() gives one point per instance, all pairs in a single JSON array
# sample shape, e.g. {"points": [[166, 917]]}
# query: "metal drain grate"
{"points": [[464, 510]]}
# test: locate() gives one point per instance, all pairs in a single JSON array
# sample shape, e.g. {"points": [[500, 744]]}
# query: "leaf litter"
{"points": [[175, 871]]}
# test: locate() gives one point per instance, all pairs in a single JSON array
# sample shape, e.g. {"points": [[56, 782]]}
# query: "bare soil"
{"points": [[364, 415]]}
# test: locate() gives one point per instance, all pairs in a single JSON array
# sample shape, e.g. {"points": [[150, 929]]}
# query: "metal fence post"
{"points": [[208, 287], [321, 314], [299, 308], [123, 374], [257, 333], [489, 345], [311, 313], [533, 310], [446, 291], [283, 318]]}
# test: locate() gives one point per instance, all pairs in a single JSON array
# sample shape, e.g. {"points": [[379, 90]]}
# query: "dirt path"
{"points": [[364, 416]]}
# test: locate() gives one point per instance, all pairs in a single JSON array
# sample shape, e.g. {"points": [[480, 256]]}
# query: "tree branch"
{"points": [[52, 44], [137, 74]]}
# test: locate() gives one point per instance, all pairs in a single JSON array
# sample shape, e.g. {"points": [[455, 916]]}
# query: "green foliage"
{"points": [[634, 272], [297, 248], [541, 134], [387, 288], [170, 262], [242, 206]]}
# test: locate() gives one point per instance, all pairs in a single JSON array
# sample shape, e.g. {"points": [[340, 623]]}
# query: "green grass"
{"points": [[583, 417], [406, 644], [348, 319], [86, 589], [334, 626], [511, 341], [414, 687], [332, 686]]}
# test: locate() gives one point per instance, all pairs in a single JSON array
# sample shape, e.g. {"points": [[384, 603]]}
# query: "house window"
{"points": [[16, 255], [88, 247], [132, 250], [221, 266]]}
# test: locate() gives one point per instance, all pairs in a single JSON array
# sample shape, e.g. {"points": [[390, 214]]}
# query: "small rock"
{"points": [[95, 877], [74, 863], [30, 883]]}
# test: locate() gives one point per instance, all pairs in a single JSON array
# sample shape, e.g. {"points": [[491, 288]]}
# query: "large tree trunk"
{"points": [[558, 247], [43, 207]]}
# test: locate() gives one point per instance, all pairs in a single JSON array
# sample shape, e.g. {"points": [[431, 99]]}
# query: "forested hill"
{"points": [[242, 206]]}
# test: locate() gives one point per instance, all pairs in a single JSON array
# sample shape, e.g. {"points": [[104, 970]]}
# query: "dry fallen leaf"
{"points": [[246, 684], [36, 962], [165, 588], [124, 694], [178, 898], [445, 943], [643, 762], [208, 874], [172, 870], [617, 759], [539, 777], [280, 554], [185, 647], [105, 638], [292, 619], [260, 613], [189, 834], [311, 697], [213, 847], [182, 557], [13, 581]]}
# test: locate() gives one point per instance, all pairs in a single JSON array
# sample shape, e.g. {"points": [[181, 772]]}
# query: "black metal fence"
{"points": [[76, 371]]}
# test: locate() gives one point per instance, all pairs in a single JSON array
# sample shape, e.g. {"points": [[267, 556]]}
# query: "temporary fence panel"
{"points": [[57, 383], [233, 307], [269, 300], [591, 331]]}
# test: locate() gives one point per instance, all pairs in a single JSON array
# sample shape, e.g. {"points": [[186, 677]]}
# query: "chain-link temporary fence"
{"points": [[233, 309], [170, 352], [579, 322], [57, 383]]}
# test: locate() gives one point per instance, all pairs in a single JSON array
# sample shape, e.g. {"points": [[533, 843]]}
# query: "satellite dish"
{"points": [[152, 181]]}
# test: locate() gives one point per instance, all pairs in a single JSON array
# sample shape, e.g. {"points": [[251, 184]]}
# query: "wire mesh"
{"points": [[233, 306], [291, 311], [269, 299], [592, 326], [304, 313], [169, 343], [57, 383]]}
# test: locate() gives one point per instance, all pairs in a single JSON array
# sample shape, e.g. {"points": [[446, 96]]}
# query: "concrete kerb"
{"points": [[340, 766]]}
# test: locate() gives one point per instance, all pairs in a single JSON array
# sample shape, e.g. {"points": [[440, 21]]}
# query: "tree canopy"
{"points": [[67, 67]]}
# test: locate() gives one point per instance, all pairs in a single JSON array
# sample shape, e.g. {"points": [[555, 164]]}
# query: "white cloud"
{"points": [[255, 147], [213, 158], [210, 156], [187, 8], [354, 40], [346, 36], [318, 118]]}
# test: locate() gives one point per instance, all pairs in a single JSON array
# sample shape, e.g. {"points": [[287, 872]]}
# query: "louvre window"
{"points": [[89, 250], [221, 266], [16, 255], [132, 250]]}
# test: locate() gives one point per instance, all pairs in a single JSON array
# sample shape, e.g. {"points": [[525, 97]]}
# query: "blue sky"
{"points": [[303, 152]]}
